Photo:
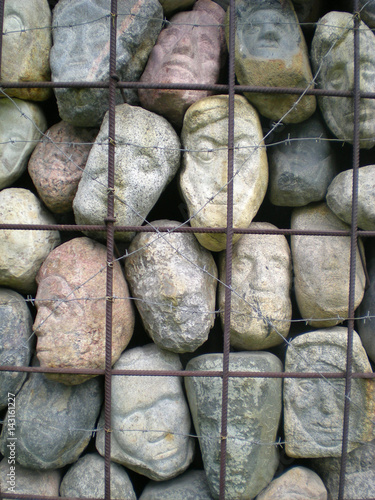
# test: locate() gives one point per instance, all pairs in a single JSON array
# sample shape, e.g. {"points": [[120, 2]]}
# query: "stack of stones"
{"points": [[289, 297]]}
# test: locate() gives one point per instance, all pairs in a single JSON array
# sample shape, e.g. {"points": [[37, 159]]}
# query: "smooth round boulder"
{"points": [[173, 279], [22, 252], [192, 485]]}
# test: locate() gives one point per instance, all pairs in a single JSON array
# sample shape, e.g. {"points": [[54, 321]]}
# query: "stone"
{"points": [[147, 158], [151, 423], [367, 10], [359, 475], [366, 311], [191, 485], [191, 49], [21, 127], [332, 53], [261, 307], [321, 267], [57, 162], [26, 47], [70, 324], [204, 176], [339, 196], [15, 342], [28, 481], [302, 164], [314, 408], [85, 479], [254, 408], [171, 6], [174, 290], [297, 483], [80, 52], [270, 51], [54, 423], [22, 252]]}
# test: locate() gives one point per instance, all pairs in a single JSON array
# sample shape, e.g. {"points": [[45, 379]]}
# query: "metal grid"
{"points": [[231, 89]]}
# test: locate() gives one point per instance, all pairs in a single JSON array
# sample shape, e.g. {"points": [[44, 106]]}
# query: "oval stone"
{"points": [[192, 485]]}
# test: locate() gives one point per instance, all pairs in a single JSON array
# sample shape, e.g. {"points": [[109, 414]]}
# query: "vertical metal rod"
{"points": [[110, 250], [353, 249], [229, 243], [1, 30]]}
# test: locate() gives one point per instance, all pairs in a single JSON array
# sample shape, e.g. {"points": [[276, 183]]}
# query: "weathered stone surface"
{"points": [[359, 476], [28, 481], [22, 252], [147, 158], [150, 417], [15, 341], [54, 422], [297, 483], [204, 177], [339, 196], [18, 137], [56, 164], [171, 6], [321, 267], [71, 304], [85, 479], [26, 47], [333, 54], [314, 408], [191, 485], [302, 164], [367, 10], [174, 281], [366, 326], [270, 51], [254, 408], [81, 52], [261, 280], [189, 50]]}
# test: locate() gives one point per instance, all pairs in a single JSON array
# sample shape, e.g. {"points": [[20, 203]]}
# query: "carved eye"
{"points": [[204, 152], [336, 78], [13, 24]]}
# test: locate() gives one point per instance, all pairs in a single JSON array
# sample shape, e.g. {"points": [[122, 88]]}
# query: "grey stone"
{"points": [[314, 408], [21, 127], [297, 483], [150, 417], [321, 267], [367, 10], [15, 341], [54, 422], [366, 326], [191, 485], [57, 162], [254, 408], [173, 279], [339, 196], [204, 176], [261, 308], [270, 51], [27, 481], [85, 479], [332, 53], [80, 52], [147, 158], [22, 252], [302, 164], [26, 47], [359, 475]]}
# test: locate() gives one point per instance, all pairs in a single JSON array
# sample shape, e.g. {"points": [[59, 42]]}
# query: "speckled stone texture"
{"points": [[261, 282], [314, 408], [54, 422], [191, 485], [26, 47], [174, 282], [22, 252], [57, 162], [16, 341], [81, 52], [147, 158], [321, 267], [150, 422], [71, 302], [270, 51], [254, 408], [366, 325]]}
